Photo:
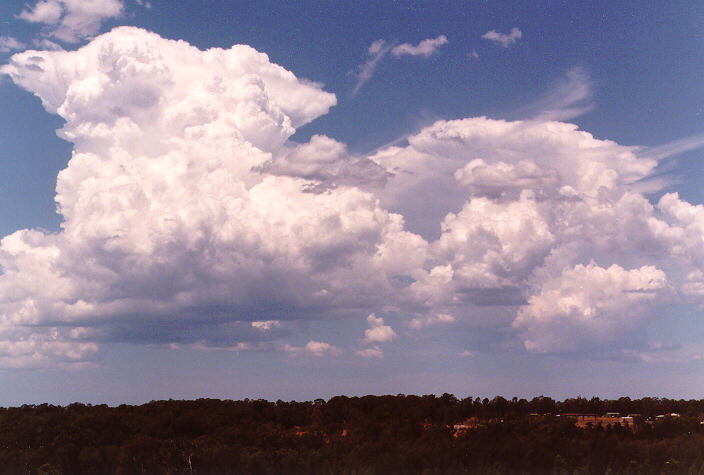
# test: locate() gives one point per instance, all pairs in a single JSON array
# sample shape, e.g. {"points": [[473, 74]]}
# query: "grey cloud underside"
{"points": [[189, 332], [326, 164], [189, 214]]}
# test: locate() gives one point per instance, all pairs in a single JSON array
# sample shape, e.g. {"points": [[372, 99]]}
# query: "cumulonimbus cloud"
{"points": [[190, 217]]}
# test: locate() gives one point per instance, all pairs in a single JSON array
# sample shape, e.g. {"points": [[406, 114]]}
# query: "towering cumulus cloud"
{"points": [[190, 217], [169, 230], [542, 218]]}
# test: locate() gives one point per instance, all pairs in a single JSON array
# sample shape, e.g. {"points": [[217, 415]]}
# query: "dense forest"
{"points": [[354, 435]]}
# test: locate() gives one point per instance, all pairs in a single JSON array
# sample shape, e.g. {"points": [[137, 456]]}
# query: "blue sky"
{"points": [[391, 200]]}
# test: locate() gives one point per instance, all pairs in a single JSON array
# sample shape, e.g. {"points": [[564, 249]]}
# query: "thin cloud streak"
{"points": [[570, 97], [365, 72], [676, 147]]}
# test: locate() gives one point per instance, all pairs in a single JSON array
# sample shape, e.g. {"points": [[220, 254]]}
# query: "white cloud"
{"points": [[443, 162], [46, 44], [591, 304], [376, 47], [380, 48], [570, 97], [431, 320], [165, 215], [535, 198], [425, 48], [21, 349], [500, 178], [315, 348], [318, 348], [376, 52], [326, 160], [72, 20], [675, 147], [505, 40], [377, 331], [373, 352], [495, 245], [8, 44], [185, 203], [267, 325], [681, 232], [47, 11]]}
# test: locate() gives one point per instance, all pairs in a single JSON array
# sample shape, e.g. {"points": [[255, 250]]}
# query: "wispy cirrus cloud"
{"points": [[376, 52], [505, 40], [675, 147], [570, 97]]}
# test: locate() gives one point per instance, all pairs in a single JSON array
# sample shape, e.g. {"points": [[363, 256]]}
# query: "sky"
{"points": [[293, 200]]}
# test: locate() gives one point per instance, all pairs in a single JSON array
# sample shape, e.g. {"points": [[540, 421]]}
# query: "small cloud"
{"points": [[373, 352], [473, 55], [425, 48], [466, 354], [315, 348], [503, 39], [9, 44], [377, 331], [319, 348], [72, 21], [48, 11], [266, 325], [440, 318], [380, 48], [235, 348]]}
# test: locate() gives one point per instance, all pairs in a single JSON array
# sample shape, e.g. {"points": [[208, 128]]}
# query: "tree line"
{"points": [[352, 435]]}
